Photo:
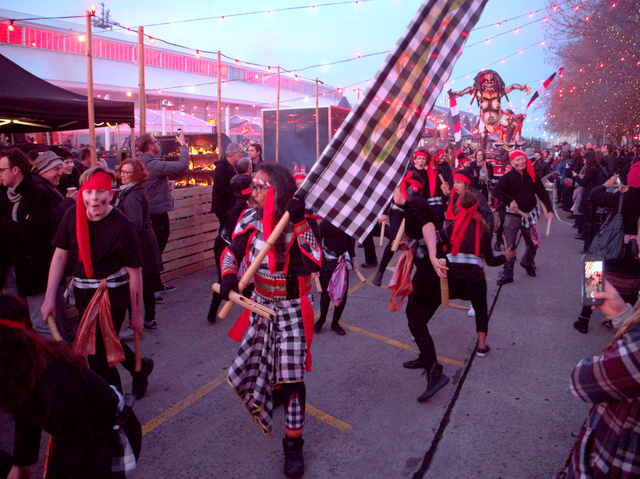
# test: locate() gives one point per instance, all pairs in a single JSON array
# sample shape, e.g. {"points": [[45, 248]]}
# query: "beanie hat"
{"points": [[633, 178], [47, 161]]}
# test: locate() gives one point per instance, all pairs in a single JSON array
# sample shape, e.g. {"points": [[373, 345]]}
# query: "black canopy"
{"points": [[29, 104]]}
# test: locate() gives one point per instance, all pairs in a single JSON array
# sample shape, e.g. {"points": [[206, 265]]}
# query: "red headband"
{"points": [[12, 324], [409, 186], [420, 153], [517, 153], [99, 181], [461, 177]]}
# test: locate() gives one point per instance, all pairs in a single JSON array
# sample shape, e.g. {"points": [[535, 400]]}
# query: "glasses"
{"points": [[259, 188]]}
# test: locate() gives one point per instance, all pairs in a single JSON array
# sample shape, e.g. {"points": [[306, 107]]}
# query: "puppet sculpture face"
{"points": [[488, 83]]}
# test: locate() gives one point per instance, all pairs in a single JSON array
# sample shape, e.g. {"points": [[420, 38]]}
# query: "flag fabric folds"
{"points": [[354, 178], [541, 89], [455, 116]]}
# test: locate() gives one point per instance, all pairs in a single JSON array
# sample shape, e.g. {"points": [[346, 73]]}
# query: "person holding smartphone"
{"points": [[624, 274], [609, 441]]}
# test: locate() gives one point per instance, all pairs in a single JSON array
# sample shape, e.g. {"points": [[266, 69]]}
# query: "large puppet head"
{"points": [[488, 81]]}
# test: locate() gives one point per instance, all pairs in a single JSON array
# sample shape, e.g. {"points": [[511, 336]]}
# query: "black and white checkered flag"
{"points": [[354, 178]]}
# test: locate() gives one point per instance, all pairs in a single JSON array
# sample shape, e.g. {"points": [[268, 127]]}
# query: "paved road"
{"points": [[508, 415]]}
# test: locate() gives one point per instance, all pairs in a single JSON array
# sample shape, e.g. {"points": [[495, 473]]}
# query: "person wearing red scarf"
{"points": [[467, 240], [518, 189], [274, 353], [104, 249], [423, 290]]}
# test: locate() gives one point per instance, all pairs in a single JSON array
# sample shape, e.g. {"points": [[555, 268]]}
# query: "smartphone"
{"points": [[179, 132], [592, 279]]}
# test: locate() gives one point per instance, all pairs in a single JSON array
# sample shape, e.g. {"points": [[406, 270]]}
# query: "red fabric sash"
{"points": [[462, 221], [99, 310], [451, 214], [432, 174], [401, 285]]}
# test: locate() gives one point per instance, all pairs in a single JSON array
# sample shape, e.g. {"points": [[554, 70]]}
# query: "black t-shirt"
{"points": [[114, 243], [417, 214]]}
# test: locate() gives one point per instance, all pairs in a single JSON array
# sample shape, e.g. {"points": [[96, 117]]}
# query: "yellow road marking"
{"points": [[324, 417], [183, 404]]}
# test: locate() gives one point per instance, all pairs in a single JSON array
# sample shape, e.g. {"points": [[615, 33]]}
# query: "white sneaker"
{"points": [[471, 312], [126, 335]]}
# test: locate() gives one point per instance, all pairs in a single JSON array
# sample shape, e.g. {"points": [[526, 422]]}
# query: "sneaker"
{"points": [[482, 352], [153, 324], [127, 335], [339, 330], [436, 380], [504, 280], [168, 288], [370, 265], [141, 379], [159, 299], [417, 363], [471, 312]]}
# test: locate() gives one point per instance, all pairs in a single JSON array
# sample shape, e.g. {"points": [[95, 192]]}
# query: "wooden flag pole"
{"points": [[219, 118], [399, 236], [444, 286], [382, 233], [255, 264], [318, 285], [544, 210], [142, 96], [278, 115], [90, 102]]}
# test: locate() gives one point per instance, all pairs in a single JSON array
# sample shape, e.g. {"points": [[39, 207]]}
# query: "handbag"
{"points": [[609, 241], [567, 182]]}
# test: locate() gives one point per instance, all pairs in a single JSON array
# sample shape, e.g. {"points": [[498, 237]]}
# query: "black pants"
{"points": [[370, 256], [425, 299], [218, 248], [120, 301], [162, 228], [395, 219], [325, 277]]}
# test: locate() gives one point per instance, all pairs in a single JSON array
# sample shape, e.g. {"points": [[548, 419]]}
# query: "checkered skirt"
{"points": [[272, 351]]}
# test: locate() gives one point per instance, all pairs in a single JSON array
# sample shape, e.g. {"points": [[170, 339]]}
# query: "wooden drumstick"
{"points": [[399, 236], [318, 285], [382, 233], [444, 286], [138, 348], [54, 329]]}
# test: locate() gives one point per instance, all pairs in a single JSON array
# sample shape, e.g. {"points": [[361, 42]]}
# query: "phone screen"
{"points": [[593, 279]]}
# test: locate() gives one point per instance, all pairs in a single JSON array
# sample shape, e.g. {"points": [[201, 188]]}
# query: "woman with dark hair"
{"points": [[623, 274], [274, 352], [593, 176], [48, 388], [482, 173], [133, 201]]}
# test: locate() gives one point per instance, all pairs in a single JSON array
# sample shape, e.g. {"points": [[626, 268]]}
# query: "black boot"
{"points": [[377, 280], [318, 326], [293, 460], [435, 381], [213, 309], [582, 324]]}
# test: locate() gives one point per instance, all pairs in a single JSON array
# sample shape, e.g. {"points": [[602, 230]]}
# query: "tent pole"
{"points": [[318, 123], [219, 119], [90, 103], [278, 116], [142, 97]]}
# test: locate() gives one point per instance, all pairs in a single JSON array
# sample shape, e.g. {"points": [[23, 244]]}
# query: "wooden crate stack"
{"points": [[193, 230]]}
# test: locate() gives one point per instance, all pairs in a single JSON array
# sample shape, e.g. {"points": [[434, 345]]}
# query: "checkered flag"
{"points": [[354, 178]]}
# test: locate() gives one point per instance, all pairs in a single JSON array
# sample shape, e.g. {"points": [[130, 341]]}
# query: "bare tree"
{"points": [[598, 43]]}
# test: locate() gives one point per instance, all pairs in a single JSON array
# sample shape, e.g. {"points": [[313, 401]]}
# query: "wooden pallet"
{"points": [[193, 231]]}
